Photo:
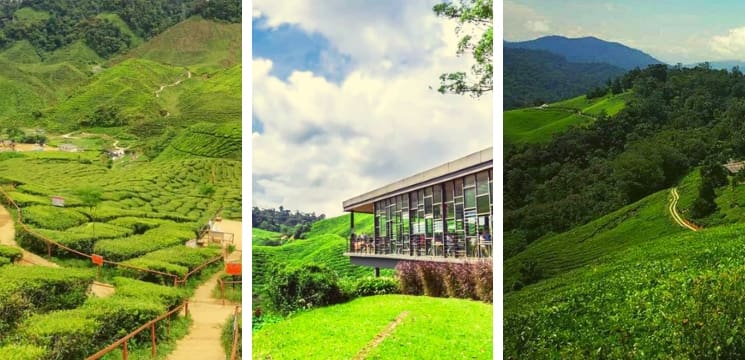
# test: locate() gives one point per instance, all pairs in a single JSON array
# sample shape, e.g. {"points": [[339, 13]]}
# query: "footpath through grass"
{"points": [[435, 328]]}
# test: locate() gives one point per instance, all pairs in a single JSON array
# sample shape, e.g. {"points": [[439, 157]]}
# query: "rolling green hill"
{"points": [[213, 98], [206, 140], [202, 45], [533, 125], [325, 243], [632, 225], [459, 328]]}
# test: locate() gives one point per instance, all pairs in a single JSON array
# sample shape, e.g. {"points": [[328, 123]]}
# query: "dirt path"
{"points": [[208, 314], [381, 336], [673, 209], [157, 92]]}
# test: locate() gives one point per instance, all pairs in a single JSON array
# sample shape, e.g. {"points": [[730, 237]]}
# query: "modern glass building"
{"points": [[442, 214]]}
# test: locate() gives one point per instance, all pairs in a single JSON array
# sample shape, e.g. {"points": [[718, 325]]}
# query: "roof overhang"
{"points": [[466, 165]]}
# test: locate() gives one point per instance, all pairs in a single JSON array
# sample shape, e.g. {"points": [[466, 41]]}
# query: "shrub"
{"points": [[408, 279], [4, 261], [303, 287], [51, 217], [22, 352], [458, 279], [167, 296], [11, 253], [484, 275], [155, 265], [138, 245], [117, 316], [431, 280], [370, 285], [27, 290], [67, 334]]}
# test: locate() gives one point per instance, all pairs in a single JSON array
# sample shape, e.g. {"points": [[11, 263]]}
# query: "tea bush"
{"points": [[370, 285], [155, 239], [117, 316], [167, 296], [51, 217], [66, 334], [22, 352], [11, 253], [302, 287]]}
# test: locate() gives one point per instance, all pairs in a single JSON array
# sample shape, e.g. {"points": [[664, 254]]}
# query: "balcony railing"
{"points": [[452, 246]]}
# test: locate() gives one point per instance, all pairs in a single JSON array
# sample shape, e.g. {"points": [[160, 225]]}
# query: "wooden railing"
{"points": [[149, 325], [236, 333], [222, 287]]}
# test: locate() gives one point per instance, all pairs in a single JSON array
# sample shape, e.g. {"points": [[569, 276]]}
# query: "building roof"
{"points": [[734, 167], [469, 164]]}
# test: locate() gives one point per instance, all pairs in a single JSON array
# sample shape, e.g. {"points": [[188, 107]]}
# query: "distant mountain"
{"points": [[531, 75], [588, 50]]}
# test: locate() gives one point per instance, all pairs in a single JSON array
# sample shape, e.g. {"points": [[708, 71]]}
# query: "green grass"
{"points": [[635, 224], [435, 328], [532, 125]]}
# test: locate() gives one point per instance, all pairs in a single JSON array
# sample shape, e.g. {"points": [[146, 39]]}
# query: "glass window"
{"points": [[428, 205], [414, 199], [470, 198], [429, 227], [405, 221], [437, 194], [437, 211], [451, 226], [449, 191], [458, 211], [438, 226], [405, 199], [458, 187], [428, 191], [470, 180], [482, 180], [482, 204], [450, 210]]}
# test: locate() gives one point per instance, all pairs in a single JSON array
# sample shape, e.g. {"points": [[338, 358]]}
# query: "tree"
{"points": [[478, 14]]}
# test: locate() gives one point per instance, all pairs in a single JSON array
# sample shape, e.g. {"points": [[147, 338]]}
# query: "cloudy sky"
{"points": [[342, 102], [671, 31]]}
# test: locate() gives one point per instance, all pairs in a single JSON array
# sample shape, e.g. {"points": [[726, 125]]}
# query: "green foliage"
{"points": [[176, 260], [226, 337], [345, 329], [464, 280], [370, 286], [26, 290], [104, 37], [52, 217], [66, 334], [480, 14], [117, 316], [11, 253], [22, 352], [138, 245], [207, 140], [303, 287], [168, 296]]}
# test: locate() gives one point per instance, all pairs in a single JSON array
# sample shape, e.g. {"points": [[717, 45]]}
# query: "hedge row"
{"points": [[138, 245], [457, 280], [52, 217], [168, 296], [11, 253], [177, 260], [22, 352], [26, 290]]}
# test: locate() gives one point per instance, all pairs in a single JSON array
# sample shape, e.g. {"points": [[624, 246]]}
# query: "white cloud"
{"points": [[522, 22], [730, 45], [324, 143], [369, 31]]}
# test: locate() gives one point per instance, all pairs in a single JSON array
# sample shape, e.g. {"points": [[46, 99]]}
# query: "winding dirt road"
{"points": [[673, 209]]}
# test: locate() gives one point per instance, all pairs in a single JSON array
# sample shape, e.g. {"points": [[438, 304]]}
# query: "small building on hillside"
{"points": [[734, 166], [68, 148], [444, 214]]}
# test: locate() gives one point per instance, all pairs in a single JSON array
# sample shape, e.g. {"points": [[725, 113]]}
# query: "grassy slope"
{"points": [[130, 86], [260, 237], [206, 140], [216, 98], [434, 329], [635, 302], [325, 243], [537, 125], [638, 223], [202, 45]]}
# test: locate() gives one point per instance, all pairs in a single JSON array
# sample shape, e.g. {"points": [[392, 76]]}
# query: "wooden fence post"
{"points": [[152, 337], [125, 354]]}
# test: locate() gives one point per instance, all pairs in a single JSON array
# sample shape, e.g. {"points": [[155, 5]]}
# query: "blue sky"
{"points": [[343, 99], [671, 31]]}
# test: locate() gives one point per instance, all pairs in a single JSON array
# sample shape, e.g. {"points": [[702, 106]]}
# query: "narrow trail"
{"points": [[157, 92], [208, 314], [7, 237], [673, 209]]}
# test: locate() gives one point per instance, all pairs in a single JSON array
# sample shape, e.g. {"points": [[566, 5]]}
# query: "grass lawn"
{"points": [[435, 328]]}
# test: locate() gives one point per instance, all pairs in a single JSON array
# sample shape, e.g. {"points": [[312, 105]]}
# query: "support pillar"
{"points": [[377, 272], [351, 231]]}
